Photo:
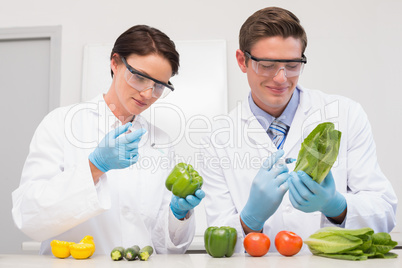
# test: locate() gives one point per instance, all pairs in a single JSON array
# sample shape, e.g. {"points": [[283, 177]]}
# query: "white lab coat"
{"points": [[57, 198], [241, 145]]}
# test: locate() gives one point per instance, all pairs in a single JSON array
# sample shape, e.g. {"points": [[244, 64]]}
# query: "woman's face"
{"points": [[130, 101]]}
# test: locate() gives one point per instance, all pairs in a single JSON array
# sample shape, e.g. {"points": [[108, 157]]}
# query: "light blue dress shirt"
{"points": [[265, 119]]}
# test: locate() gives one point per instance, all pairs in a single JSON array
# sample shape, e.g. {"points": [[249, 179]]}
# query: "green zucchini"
{"points": [[146, 252], [117, 253], [132, 253]]}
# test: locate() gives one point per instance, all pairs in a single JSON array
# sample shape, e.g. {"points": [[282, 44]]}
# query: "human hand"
{"points": [[266, 193], [117, 151], [180, 206], [309, 196]]}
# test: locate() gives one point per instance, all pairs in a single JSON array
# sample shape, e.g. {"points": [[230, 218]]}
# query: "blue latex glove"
{"points": [[266, 193], [180, 206], [117, 151], [309, 196]]}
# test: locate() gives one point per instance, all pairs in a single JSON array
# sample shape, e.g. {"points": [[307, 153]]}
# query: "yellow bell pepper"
{"points": [[61, 249], [81, 250], [89, 240]]}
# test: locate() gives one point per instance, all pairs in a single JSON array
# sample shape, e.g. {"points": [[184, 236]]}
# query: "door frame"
{"points": [[52, 33]]}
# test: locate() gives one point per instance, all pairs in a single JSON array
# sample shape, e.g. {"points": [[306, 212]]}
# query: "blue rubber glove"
{"points": [[117, 151], [309, 196], [266, 193], [180, 206]]}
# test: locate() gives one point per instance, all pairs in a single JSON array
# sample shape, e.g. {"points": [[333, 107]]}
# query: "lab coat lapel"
{"points": [[304, 120], [107, 120], [301, 123], [254, 133], [102, 111], [102, 119]]}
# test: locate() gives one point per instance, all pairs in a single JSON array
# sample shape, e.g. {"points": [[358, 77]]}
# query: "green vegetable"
{"points": [[146, 252], [350, 244], [132, 253], [117, 253], [220, 241], [319, 151], [183, 180]]}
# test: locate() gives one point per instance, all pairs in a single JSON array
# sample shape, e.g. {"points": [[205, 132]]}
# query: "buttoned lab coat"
{"points": [[57, 198], [371, 201]]}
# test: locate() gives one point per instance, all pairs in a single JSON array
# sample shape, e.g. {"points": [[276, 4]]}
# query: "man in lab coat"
{"points": [[251, 195], [93, 169]]}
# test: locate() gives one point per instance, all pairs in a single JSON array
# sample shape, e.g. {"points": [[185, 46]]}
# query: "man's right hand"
{"points": [[266, 193]]}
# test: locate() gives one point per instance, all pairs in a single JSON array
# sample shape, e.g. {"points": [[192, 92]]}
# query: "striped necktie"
{"points": [[278, 131]]}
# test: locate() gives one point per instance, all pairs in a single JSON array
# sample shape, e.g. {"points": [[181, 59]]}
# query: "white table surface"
{"points": [[271, 260]]}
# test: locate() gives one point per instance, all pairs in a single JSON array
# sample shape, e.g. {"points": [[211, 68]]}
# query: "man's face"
{"points": [[271, 93]]}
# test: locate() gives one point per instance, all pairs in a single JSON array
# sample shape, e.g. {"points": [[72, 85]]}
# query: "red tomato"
{"points": [[256, 244], [288, 243]]}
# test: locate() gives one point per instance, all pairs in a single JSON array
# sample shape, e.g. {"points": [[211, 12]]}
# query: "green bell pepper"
{"points": [[220, 241], [183, 180]]}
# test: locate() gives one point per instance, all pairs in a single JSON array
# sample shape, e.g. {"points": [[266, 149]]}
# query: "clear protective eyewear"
{"points": [[271, 67], [142, 82]]}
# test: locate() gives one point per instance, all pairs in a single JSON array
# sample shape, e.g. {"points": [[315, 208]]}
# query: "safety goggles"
{"points": [[142, 82], [270, 67]]}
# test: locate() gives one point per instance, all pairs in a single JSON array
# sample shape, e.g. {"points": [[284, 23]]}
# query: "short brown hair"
{"points": [[270, 22], [144, 40]]}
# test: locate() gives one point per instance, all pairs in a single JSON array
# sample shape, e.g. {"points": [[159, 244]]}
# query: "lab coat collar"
{"points": [[295, 133], [258, 135], [305, 102], [108, 121], [252, 130]]}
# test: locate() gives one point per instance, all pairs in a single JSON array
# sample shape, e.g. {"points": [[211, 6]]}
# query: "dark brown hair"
{"points": [[144, 40], [270, 22]]}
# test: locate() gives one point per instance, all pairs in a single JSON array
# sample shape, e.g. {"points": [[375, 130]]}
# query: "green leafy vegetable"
{"points": [[383, 243], [319, 151], [328, 242], [351, 244]]}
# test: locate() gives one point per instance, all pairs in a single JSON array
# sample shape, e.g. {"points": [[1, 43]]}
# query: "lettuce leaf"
{"points": [[328, 242], [351, 244], [383, 243], [319, 151]]}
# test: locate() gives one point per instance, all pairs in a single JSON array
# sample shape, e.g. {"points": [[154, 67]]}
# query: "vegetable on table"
{"points": [[288, 243], [61, 249], [117, 253], [220, 241], [256, 244], [351, 244], [183, 180], [132, 253], [145, 253], [89, 240], [81, 251], [319, 151]]}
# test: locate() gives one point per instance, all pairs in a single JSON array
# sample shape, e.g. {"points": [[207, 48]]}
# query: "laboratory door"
{"points": [[25, 88]]}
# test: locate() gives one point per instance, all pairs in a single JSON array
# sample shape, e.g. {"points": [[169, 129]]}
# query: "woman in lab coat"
{"points": [[256, 196], [94, 168]]}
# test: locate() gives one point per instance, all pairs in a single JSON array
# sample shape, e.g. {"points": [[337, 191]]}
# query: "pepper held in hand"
{"points": [[220, 241], [183, 180]]}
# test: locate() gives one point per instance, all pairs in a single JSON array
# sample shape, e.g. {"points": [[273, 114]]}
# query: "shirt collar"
{"points": [[265, 119]]}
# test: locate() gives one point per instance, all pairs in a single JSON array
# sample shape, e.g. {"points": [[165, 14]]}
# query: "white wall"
{"points": [[355, 47]]}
